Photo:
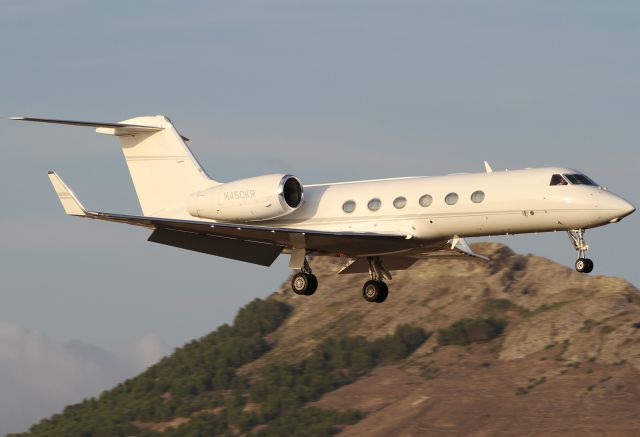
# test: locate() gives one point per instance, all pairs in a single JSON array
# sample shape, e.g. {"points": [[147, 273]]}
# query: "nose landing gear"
{"points": [[583, 264], [376, 290]]}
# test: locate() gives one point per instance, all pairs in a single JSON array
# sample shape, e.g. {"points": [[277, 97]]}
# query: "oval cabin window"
{"points": [[425, 200], [477, 196], [349, 206], [374, 204], [451, 199], [400, 202]]}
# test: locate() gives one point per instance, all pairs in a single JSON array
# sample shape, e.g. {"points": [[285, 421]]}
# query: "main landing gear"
{"points": [[375, 290], [304, 282], [583, 264]]}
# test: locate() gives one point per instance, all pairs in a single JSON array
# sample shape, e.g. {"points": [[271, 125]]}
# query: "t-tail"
{"points": [[163, 169]]}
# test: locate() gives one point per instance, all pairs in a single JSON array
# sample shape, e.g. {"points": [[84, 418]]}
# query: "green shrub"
{"points": [[467, 331], [260, 317], [494, 305], [542, 308], [310, 422]]}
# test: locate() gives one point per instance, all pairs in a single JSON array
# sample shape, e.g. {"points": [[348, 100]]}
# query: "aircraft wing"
{"points": [[243, 242]]}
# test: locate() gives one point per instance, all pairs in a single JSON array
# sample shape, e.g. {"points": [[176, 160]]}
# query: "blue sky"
{"points": [[328, 91]]}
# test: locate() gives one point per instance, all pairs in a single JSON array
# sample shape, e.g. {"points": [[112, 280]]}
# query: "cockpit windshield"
{"points": [[573, 179], [556, 179], [580, 179]]}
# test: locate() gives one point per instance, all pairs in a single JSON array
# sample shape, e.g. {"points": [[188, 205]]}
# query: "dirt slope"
{"points": [[567, 364]]}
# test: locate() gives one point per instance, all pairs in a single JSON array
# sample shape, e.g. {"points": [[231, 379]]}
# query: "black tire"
{"points": [[588, 268], [384, 293], [580, 265], [300, 283], [372, 290], [313, 285]]}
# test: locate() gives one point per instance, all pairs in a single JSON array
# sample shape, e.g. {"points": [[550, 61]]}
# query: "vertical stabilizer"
{"points": [[163, 170]]}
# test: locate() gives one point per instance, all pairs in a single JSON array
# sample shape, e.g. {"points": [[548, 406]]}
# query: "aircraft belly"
{"points": [[358, 247], [489, 223], [516, 222]]}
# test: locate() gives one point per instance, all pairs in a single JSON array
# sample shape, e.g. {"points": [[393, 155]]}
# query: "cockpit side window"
{"points": [[557, 179], [580, 179]]}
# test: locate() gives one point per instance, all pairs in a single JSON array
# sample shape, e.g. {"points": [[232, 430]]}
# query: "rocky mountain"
{"points": [[518, 345]]}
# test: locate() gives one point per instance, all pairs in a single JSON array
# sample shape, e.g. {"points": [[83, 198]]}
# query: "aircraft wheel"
{"points": [[313, 285], [375, 291], [384, 294], [304, 283], [584, 265]]}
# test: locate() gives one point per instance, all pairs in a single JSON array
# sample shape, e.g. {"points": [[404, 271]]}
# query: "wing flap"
{"points": [[247, 251]]}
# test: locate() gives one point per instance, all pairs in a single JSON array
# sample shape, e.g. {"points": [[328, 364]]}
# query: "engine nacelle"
{"points": [[246, 200]]}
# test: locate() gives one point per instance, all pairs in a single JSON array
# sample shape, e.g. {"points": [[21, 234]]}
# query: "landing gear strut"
{"points": [[375, 290], [304, 282], [583, 264]]}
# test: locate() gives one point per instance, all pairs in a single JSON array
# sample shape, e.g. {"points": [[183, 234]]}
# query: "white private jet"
{"points": [[380, 225]]}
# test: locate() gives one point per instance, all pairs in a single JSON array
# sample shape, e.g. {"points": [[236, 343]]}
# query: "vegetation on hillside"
{"points": [[199, 381], [467, 331]]}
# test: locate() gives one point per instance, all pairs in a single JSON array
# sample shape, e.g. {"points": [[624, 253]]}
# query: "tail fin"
{"points": [[163, 170]]}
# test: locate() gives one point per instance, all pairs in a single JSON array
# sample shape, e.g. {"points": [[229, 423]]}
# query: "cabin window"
{"points": [[477, 196], [425, 200], [400, 202], [451, 199], [556, 179], [580, 179], [349, 206], [374, 204]]}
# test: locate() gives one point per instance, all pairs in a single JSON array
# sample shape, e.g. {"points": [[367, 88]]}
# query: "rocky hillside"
{"points": [[518, 345]]}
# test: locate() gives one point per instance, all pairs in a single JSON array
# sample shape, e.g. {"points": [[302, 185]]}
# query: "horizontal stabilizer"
{"points": [[116, 129], [90, 123], [70, 203]]}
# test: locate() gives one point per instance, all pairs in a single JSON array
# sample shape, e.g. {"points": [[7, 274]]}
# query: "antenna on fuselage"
{"points": [[487, 167]]}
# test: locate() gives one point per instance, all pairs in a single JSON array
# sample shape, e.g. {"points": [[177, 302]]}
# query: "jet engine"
{"points": [[247, 200]]}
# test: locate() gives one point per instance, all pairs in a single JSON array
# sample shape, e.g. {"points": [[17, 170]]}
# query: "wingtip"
{"points": [[51, 172], [69, 201]]}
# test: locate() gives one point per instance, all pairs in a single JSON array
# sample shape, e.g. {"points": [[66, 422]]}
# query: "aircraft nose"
{"points": [[628, 209], [619, 207]]}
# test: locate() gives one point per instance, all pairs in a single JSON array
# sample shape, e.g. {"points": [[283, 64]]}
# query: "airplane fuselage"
{"points": [[518, 201], [381, 225]]}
